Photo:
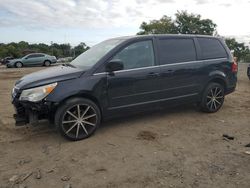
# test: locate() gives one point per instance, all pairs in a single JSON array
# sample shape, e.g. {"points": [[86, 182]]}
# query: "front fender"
{"points": [[92, 86]]}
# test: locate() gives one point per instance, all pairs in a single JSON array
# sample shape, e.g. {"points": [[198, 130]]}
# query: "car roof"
{"points": [[165, 35], [37, 54]]}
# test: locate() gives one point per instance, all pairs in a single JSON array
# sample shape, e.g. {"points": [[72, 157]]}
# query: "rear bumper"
{"points": [[230, 90], [53, 61]]}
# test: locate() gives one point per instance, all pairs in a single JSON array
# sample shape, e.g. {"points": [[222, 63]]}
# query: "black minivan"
{"points": [[127, 74]]}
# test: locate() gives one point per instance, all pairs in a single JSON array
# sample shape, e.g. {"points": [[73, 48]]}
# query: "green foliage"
{"points": [[164, 25], [193, 24], [82, 47], [20, 49], [239, 49], [247, 58], [184, 23]]}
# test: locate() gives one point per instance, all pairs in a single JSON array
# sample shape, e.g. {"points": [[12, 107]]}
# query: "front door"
{"points": [[31, 60], [138, 82]]}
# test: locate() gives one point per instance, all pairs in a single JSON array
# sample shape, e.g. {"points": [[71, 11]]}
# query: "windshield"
{"points": [[90, 57], [24, 56]]}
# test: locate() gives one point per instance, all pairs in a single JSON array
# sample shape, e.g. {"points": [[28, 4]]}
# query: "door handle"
{"points": [[167, 73], [170, 71], [153, 74]]}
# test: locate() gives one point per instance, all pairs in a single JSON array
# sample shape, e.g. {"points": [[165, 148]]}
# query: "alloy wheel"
{"points": [[47, 63], [215, 98], [79, 121], [18, 65]]}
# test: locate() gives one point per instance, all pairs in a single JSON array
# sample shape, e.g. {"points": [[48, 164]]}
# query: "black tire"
{"points": [[47, 63], [18, 64], [78, 126], [212, 98]]}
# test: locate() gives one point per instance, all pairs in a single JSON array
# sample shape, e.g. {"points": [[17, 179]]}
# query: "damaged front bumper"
{"points": [[30, 113]]}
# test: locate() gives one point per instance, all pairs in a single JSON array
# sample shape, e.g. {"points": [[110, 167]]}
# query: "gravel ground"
{"points": [[178, 147]]}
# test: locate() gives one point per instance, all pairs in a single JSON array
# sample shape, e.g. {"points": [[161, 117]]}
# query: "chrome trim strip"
{"points": [[148, 102], [151, 92], [166, 65], [100, 73]]}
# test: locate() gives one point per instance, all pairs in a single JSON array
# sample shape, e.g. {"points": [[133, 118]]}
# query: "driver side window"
{"points": [[136, 55]]}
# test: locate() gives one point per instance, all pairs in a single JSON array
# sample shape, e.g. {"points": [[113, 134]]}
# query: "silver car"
{"points": [[32, 60]]}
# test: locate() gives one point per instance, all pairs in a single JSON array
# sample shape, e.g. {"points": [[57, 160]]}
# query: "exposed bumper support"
{"points": [[30, 113], [20, 120]]}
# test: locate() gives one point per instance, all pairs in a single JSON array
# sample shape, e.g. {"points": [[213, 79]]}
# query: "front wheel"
{"points": [[78, 118], [213, 98], [18, 65]]}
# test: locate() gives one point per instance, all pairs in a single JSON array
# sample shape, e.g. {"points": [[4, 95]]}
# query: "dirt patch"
{"points": [[146, 135], [176, 148]]}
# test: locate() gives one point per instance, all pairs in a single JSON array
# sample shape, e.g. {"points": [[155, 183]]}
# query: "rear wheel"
{"points": [[18, 64], [46, 63], [213, 98], [78, 118]]}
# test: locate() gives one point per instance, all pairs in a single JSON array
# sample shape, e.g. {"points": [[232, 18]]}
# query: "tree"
{"points": [[239, 49], [184, 23], [82, 47], [66, 48], [193, 24], [164, 25], [23, 45], [22, 48], [247, 58]]}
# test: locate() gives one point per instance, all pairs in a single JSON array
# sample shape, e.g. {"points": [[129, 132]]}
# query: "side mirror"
{"points": [[114, 65]]}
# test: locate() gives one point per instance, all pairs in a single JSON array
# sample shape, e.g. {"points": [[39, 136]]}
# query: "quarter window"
{"points": [[137, 55], [176, 50], [211, 48]]}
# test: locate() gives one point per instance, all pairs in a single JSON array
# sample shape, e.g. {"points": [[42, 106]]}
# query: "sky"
{"points": [[92, 21]]}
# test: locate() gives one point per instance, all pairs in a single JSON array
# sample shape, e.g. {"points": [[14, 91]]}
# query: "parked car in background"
{"points": [[124, 75], [6, 60], [64, 60], [248, 71], [32, 60]]}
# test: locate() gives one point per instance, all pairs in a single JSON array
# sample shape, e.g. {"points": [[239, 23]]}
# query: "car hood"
{"points": [[47, 76]]}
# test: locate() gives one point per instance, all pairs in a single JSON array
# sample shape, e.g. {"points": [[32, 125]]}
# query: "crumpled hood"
{"points": [[47, 76]]}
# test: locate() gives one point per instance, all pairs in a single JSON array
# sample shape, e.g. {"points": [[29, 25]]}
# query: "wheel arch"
{"points": [[216, 79], [18, 62], [81, 95], [219, 80]]}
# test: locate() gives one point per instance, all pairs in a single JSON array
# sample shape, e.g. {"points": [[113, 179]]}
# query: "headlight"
{"points": [[37, 93]]}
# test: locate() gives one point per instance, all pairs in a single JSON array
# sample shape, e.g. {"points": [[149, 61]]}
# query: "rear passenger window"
{"points": [[211, 48], [39, 55], [176, 50]]}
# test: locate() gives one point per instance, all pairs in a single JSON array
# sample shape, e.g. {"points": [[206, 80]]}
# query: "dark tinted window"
{"points": [[176, 50], [211, 48], [30, 56], [136, 55], [35, 55], [39, 55]]}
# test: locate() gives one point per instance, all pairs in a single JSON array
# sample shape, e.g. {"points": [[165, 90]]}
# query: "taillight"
{"points": [[234, 66]]}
